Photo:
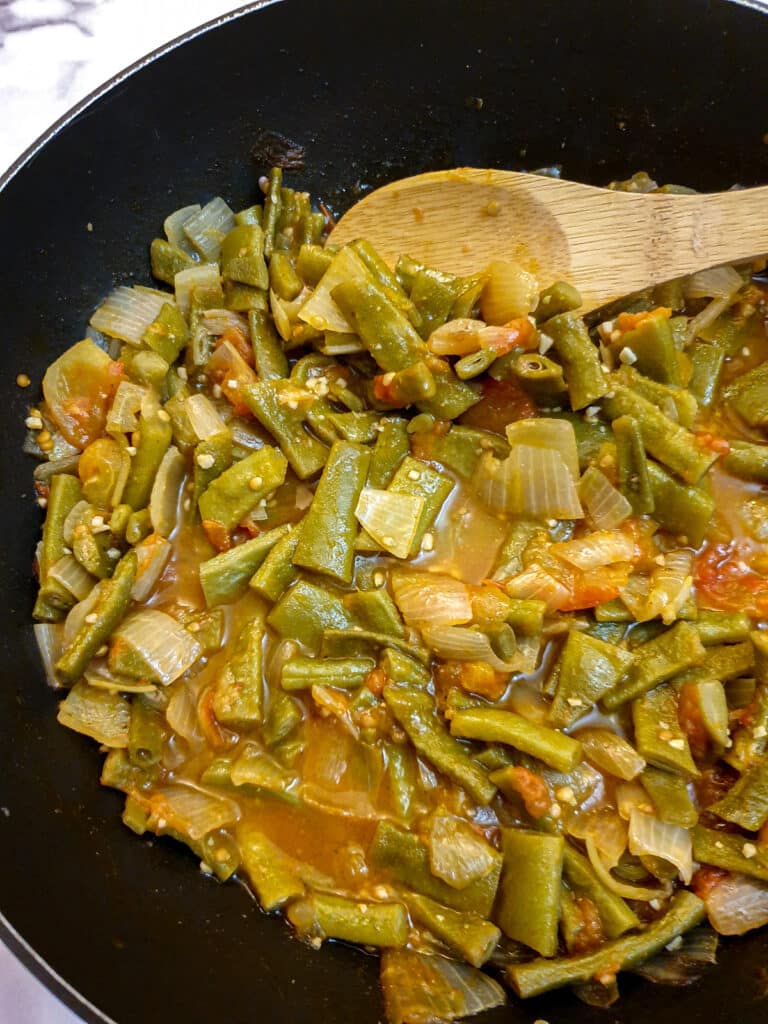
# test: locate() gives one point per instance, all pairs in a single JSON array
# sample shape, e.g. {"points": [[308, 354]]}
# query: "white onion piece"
{"points": [[634, 594], [459, 643], [286, 313], [670, 586], [606, 507], [185, 282], [457, 854], [152, 556], [191, 810], [319, 310], [102, 715], [167, 648], [737, 904], [206, 229], [391, 519], [49, 637], [181, 714], [706, 317], [72, 576], [631, 796], [166, 492], [530, 481], [623, 889], [547, 432], [509, 292], [648, 835], [122, 417], [714, 283], [75, 619], [535, 582], [611, 753], [340, 344], [603, 547], [431, 599], [217, 321], [458, 337], [424, 989], [605, 828], [126, 313], [173, 225]]}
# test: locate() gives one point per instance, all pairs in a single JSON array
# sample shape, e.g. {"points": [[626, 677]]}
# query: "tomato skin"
{"points": [[726, 583], [629, 321], [237, 338], [532, 788], [691, 722], [502, 402], [706, 880], [78, 389]]}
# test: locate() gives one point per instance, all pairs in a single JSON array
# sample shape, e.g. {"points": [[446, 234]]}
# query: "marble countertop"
{"points": [[52, 54]]}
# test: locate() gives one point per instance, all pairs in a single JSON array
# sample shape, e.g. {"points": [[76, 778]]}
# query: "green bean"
{"points": [[460, 448], [238, 694], [653, 345], [412, 385], [728, 661], [386, 280], [402, 668], [509, 561], [401, 774], [213, 456], [433, 298], [277, 571], [250, 215], [685, 911], [675, 402], [634, 480], [414, 477], [89, 548], [386, 331], [452, 397], [138, 526], [303, 673], [155, 436], [224, 578], [53, 600], [748, 461], [283, 718], [540, 376], [272, 873], [496, 726], [269, 402], [746, 803], [471, 937], [415, 711], [206, 627], [581, 363], [168, 333], [707, 363], [306, 610], [326, 544], [181, 425], [405, 859], [118, 521], [391, 447], [560, 297], [529, 893], [145, 367], [474, 364], [669, 794], [167, 260], [659, 737], [659, 659], [357, 427], [134, 816], [272, 209], [145, 734], [716, 627], [312, 262], [664, 439], [108, 611], [231, 496], [335, 917], [616, 916], [730, 852], [376, 611], [589, 669], [683, 510], [241, 298], [255, 773], [748, 395], [283, 279], [270, 359]]}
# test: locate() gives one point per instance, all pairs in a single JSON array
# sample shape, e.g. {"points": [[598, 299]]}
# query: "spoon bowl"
{"points": [[606, 243]]}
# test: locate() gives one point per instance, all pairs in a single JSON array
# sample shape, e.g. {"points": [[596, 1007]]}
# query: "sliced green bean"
{"points": [[272, 873], [270, 359], [336, 917], [305, 611], [224, 578], [472, 937], [730, 852], [658, 735], [581, 363], [146, 734], [616, 915], [270, 402], [238, 695], [496, 726], [659, 659], [683, 510], [303, 673], [529, 893], [231, 496], [589, 669], [155, 436], [669, 794], [277, 571], [53, 600]]}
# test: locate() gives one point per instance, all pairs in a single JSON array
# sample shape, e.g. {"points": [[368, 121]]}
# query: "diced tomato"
{"points": [[231, 372], [629, 321], [385, 391], [589, 933], [519, 333], [532, 788], [376, 680], [706, 879], [691, 721], [502, 402], [472, 676], [712, 442], [714, 783], [724, 581], [217, 534], [237, 337], [595, 586]]}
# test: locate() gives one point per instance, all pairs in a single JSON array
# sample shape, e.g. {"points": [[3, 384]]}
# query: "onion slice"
{"points": [[649, 836], [167, 649], [430, 599], [391, 519]]}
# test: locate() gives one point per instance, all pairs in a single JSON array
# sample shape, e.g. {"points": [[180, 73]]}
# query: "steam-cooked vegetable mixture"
{"points": [[432, 610]]}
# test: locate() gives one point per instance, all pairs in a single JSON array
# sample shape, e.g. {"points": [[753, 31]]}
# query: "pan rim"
{"points": [[23, 950]]}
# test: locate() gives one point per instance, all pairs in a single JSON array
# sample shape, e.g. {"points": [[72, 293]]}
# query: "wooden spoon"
{"points": [[608, 244]]}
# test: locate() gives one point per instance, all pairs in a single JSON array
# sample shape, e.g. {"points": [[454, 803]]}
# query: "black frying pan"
{"points": [[374, 90]]}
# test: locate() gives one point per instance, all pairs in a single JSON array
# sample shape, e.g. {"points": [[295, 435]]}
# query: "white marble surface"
{"points": [[52, 54]]}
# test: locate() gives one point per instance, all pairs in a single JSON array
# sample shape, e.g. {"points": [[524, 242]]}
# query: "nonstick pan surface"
{"points": [[126, 929]]}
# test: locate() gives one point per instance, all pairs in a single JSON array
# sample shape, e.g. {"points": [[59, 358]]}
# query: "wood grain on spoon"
{"points": [[608, 244]]}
